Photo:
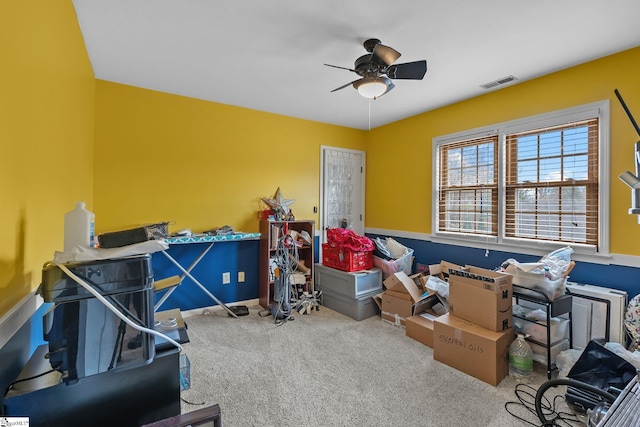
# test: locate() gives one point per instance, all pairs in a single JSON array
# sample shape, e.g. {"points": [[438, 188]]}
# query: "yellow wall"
{"points": [[199, 164], [159, 157], [46, 133], [402, 150]]}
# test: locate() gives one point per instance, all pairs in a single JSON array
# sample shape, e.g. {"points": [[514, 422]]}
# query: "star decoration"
{"points": [[279, 203]]}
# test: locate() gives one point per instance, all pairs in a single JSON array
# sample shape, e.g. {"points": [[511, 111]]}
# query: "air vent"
{"points": [[498, 82]]}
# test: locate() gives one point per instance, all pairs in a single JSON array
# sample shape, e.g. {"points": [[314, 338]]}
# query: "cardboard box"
{"points": [[395, 310], [420, 329], [420, 279], [420, 325], [442, 270], [396, 303], [483, 297], [472, 349], [400, 282]]}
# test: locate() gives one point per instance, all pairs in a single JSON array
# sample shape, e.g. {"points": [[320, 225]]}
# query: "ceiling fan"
{"points": [[376, 69]]}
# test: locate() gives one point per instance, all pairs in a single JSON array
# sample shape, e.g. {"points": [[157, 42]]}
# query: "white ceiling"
{"points": [[269, 55]]}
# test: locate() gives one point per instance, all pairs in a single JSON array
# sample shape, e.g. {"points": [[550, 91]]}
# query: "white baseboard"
{"points": [[202, 310], [18, 315]]}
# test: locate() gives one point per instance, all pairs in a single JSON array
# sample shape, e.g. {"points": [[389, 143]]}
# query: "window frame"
{"points": [[599, 110]]}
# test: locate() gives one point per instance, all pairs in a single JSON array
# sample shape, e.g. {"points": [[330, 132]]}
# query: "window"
{"points": [[468, 197], [532, 180], [552, 184]]}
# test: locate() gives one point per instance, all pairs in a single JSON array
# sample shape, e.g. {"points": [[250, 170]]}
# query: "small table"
{"points": [[186, 272]]}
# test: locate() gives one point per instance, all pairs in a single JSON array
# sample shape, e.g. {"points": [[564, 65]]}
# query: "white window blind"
{"points": [[551, 184], [468, 196]]}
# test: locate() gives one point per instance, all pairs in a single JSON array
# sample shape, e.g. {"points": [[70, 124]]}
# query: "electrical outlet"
{"points": [[240, 276], [226, 278]]}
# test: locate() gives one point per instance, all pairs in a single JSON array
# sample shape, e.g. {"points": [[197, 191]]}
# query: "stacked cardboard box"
{"points": [[472, 349], [397, 302], [420, 324], [475, 335], [471, 331], [483, 297]]}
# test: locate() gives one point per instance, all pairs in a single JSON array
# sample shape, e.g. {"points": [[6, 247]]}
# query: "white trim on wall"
{"points": [[18, 315], [617, 259]]}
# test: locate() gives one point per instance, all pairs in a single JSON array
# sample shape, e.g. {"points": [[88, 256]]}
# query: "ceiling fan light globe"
{"points": [[372, 87]]}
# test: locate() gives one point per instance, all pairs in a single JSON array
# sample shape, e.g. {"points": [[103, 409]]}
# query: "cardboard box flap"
{"points": [[431, 303], [459, 324], [442, 268], [401, 295], [479, 277], [400, 282], [420, 279], [526, 266], [378, 300]]}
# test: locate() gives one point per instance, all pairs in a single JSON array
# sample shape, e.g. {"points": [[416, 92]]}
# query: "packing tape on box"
{"points": [[397, 318]]}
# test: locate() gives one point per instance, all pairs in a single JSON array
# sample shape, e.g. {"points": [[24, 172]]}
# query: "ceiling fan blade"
{"points": [[409, 70], [342, 68], [384, 54], [343, 86]]}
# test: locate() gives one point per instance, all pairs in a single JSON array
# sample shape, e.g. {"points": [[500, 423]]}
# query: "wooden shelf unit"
{"points": [[267, 252]]}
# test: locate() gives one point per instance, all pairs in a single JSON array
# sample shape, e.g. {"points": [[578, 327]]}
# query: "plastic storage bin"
{"points": [[345, 259], [559, 329], [391, 266], [359, 308], [552, 289], [351, 284], [540, 352], [537, 330]]}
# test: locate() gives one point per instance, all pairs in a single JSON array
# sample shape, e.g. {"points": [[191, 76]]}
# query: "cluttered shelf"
{"points": [[300, 236]]}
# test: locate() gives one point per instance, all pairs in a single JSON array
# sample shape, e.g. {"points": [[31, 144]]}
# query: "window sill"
{"points": [[583, 254]]}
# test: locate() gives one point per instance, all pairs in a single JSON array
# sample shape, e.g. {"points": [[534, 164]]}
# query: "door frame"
{"points": [[323, 148]]}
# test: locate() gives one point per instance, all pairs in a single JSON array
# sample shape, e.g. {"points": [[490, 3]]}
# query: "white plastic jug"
{"points": [[79, 228]]}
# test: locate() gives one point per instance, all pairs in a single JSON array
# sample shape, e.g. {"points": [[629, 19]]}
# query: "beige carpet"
{"points": [[326, 369]]}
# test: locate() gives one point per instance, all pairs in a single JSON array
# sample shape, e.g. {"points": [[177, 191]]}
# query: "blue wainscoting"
{"points": [[19, 348], [609, 276], [231, 256]]}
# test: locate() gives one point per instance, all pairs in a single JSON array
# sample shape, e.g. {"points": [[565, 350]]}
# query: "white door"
{"points": [[342, 180]]}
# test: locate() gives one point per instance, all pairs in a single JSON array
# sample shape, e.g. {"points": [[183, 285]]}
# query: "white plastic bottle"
{"points": [[520, 360], [79, 228]]}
